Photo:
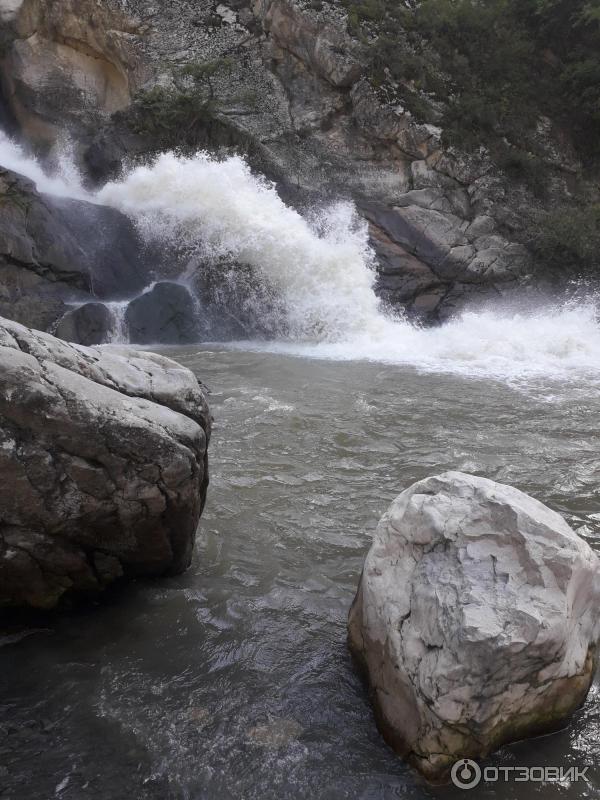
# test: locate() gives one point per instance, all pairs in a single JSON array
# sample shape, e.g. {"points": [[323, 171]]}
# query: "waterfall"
{"points": [[65, 183], [118, 331], [321, 269]]}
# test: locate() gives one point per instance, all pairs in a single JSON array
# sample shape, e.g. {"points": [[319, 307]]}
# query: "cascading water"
{"points": [[324, 277], [118, 331], [323, 273], [65, 183]]}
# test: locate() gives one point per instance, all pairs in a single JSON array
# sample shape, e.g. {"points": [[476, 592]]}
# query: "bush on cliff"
{"points": [[177, 115], [568, 239], [496, 64]]}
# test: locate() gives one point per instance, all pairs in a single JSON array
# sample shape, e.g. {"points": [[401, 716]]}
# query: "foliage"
{"points": [[496, 64], [568, 238], [523, 167], [203, 70], [174, 116]]}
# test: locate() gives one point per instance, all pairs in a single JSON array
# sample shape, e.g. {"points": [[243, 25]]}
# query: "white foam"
{"points": [[65, 183], [324, 276], [558, 343]]}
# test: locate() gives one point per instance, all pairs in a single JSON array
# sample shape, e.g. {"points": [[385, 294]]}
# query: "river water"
{"points": [[233, 680]]}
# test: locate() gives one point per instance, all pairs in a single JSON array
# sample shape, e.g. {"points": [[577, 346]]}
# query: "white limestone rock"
{"points": [[476, 620]]}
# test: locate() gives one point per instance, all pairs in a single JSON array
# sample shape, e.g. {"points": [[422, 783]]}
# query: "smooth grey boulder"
{"points": [[165, 314], [103, 466], [89, 324], [476, 620]]}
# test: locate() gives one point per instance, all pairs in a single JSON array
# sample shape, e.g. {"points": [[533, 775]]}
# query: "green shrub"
{"points": [[169, 115], [523, 167], [204, 70], [496, 64], [173, 116], [568, 238]]}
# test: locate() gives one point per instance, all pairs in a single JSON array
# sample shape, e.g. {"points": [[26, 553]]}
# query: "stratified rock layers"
{"points": [[103, 466], [476, 620]]}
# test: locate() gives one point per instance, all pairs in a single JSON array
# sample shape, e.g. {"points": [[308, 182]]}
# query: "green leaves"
{"points": [[497, 65], [568, 238]]}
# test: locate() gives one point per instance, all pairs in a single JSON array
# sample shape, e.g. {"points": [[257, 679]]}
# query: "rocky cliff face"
{"points": [[284, 82], [67, 65], [103, 466]]}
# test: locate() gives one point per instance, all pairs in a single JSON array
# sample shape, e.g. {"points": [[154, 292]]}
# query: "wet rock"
{"points": [[454, 251], [41, 263], [235, 303], [89, 324], [117, 260], [55, 251], [404, 280], [476, 620], [103, 466], [166, 314]]}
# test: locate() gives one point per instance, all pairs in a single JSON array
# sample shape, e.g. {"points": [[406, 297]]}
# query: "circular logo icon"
{"points": [[465, 774]]}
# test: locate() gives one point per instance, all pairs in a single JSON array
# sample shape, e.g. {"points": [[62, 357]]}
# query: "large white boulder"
{"points": [[476, 620]]}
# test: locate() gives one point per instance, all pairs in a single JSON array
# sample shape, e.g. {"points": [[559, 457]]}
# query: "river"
{"points": [[233, 680]]}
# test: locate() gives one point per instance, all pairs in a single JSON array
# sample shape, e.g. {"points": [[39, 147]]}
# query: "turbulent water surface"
{"points": [[233, 680]]}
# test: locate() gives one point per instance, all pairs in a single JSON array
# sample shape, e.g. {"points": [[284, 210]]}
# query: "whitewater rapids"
{"points": [[322, 269]]}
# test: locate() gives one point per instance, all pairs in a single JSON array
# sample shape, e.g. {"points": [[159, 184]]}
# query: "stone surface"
{"points": [[55, 251], [103, 466], [326, 49], [476, 620], [68, 65], [89, 324], [165, 314]]}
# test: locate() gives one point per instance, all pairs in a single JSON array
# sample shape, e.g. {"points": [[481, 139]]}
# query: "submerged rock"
{"points": [[89, 324], [476, 620], [103, 466], [165, 314]]}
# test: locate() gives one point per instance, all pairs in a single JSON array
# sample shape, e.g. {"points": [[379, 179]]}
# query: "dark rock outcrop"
{"points": [[103, 466], [89, 324], [55, 251], [165, 314], [476, 620]]}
